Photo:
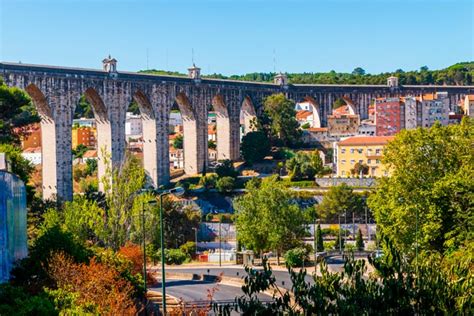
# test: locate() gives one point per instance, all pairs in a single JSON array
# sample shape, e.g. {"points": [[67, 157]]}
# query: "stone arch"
{"points": [[248, 116], [50, 173], [149, 136], [39, 99], [315, 109], [185, 107], [194, 146], [98, 106], [223, 125], [103, 127], [350, 105]]}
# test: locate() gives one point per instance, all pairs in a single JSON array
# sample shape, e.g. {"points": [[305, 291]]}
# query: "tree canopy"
{"points": [[267, 218], [457, 74], [339, 200], [254, 146], [282, 119], [431, 176], [304, 165]]}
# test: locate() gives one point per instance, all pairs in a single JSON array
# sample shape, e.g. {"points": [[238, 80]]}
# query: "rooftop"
{"points": [[303, 114], [366, 140]]}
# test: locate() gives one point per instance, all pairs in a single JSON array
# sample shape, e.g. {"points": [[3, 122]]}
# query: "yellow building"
{"points": [[363, 150], [84, 135]]}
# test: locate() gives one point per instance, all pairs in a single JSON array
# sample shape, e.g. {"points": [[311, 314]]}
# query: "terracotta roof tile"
{"points": [[366, 140]]}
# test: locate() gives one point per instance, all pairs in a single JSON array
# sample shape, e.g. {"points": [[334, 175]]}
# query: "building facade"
{"points": [[84, 135], [468, 105], [133, 126], [389, 116], [363, 150], [435, 107], [343, 124]]}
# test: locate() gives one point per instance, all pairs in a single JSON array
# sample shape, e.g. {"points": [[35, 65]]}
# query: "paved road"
{"points": [[282, 277], [190, 291]]}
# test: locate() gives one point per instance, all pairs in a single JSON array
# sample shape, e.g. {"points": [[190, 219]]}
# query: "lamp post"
{"points": [[144, 244], [315, 242], [195, 240], [178, 191], [340, 235]]}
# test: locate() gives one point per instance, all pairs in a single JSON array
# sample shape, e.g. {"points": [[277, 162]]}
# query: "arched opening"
{"points": [[307, 113], [351, 108], [101, 126], [187, 145], [248, 117], [141, 135], [84, 148], [219, 129], [48, 173]]}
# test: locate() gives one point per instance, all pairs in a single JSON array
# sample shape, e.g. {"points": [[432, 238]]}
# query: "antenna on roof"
{"points": [[147, 68], [274, 60], [192, 55]]}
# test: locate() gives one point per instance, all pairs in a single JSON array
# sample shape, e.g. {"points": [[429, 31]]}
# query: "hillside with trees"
{"points": [[457, 74]]}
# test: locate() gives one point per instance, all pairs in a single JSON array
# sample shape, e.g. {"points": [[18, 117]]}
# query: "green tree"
{"points": [[430, 188], [358, 71], [339, 243], [267, 218], [83, 109], [338, 103], [304, 165], [91, 166], [359, 241], [225, 184], [211, 144], [225, 168], [208, 181], [254, 147], [178, 142], [339, 200], [319, 239], [79, 151], [19, 165], [16, 111], [360, 169], [283, 124]]}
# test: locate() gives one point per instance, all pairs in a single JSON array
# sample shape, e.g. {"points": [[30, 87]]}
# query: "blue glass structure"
{"points": [[13, 235]]}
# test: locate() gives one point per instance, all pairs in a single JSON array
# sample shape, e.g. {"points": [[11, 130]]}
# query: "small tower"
{"points": [[281, 79], [392, 82], [110, 64], [194, 73]]}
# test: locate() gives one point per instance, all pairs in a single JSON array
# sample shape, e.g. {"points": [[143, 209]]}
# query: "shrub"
{"points": [[189, 248], [225, 168], [173, 256], [208, 181], [359, 241], [296, 257], [225, 184], [254, 147]]}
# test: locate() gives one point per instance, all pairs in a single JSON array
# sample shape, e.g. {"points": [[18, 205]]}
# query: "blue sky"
{"points": [[239, 36]]}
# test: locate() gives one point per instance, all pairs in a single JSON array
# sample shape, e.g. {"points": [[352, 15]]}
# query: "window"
{"points": [[369, 161], [361, 162], [360, 150], [377, 151], [369, 151], [343, 162], [352, 161], [343, 151], [343, 173], [352, 150], [377, 161]]}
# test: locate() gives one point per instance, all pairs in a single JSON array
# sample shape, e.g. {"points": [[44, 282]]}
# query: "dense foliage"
{"points": [[266, 217], [16, 111], [280, 120], [435, 287], [457, 74], [339, 201], [304, 166], [254, 147], [430, 190]]}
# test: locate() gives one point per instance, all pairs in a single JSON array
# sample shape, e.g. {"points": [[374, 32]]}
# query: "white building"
{"points": [[133, 126], [33, 155], [366, 128], [175, 119], [176, 158], [435, 107], [84, 122], [306, 113]]}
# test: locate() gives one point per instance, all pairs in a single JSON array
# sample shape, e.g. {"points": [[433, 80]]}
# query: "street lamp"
{"points": [[315, 242], [195, 240], [340, 240], [178, 191], [153, 202]]}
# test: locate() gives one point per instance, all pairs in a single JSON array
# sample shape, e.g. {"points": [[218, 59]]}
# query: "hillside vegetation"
{"points": [[457, 74]]}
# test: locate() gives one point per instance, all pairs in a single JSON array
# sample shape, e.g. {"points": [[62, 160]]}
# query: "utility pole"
{"points": [[220, 242]]}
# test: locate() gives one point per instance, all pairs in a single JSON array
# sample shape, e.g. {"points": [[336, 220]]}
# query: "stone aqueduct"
{"points": [[56, 90]]}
